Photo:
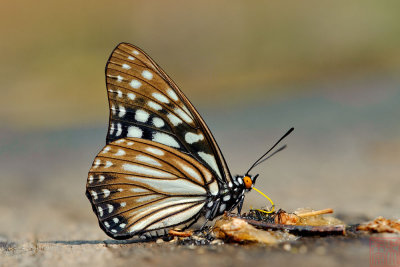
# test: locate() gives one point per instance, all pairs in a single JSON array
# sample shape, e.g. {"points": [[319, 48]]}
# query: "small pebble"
{"points": [[287, 247], [217, 242]]}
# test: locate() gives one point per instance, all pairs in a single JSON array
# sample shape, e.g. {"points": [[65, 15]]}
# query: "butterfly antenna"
{"points": [[269, 150], [270, 156]]}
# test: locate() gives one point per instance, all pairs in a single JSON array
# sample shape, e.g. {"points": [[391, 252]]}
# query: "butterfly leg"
{"points": [[204, 225], [211, 213], [240, 205], [215, 209]]}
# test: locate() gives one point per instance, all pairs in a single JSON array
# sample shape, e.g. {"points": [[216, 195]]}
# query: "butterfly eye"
{"points": [[247, 182]]}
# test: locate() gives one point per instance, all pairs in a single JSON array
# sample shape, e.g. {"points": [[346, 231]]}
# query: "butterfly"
{"points": [[161, 166]]}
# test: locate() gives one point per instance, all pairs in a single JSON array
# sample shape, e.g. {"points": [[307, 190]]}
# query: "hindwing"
{"points": [[138, 186]]}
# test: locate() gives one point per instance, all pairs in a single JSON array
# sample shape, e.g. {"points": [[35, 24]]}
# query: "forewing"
{"points": [[138, 186], [146, 103]]}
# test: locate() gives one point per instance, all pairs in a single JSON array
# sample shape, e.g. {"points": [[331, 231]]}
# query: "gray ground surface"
{"points": [[312, 252], [341, 156]]}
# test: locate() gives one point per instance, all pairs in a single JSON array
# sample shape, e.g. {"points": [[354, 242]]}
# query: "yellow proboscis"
{"points": [[270, 200]]}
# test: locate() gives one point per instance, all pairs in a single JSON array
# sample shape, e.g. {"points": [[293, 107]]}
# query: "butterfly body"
{"points": [[161, 166]]}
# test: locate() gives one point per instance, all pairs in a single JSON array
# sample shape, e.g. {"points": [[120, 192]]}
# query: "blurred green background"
{"points": [[252, 68]]}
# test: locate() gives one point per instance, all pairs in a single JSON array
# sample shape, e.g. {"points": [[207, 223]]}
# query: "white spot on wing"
{"points": [[120, 152], [100, 211], [147, 75], [110, 208], [116, 220], [141, 115], [148, 160], [122, 111], [123, 204], [222, 208], [213, 188], [187, 111], [172, 94], [119, 93], [112, 128], [101, 178], [210, 160], [108, 164], [113, 110], [134, 131], [174, 119], [135, 52], [131, 96], [119, 129], [165, 139], [183, 115], [96, 163], [190, 171], [106, 149], [131, 58], [134, 168], [106, 192], [191, 138], [155, 151], [160, 97], [126, 66], [154, 105], [119, 79], [135, 84], [158, 122], [226, 198], [94, 194], [90, 179]]}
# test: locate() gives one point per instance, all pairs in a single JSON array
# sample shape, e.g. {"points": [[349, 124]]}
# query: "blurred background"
{"points": [[252, 69]]}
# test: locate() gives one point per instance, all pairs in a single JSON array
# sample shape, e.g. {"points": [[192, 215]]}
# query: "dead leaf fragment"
{"points": [[235, 229], [381, 225]]}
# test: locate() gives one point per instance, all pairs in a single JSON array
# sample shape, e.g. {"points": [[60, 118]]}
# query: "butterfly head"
{"points": [[245, 182]]}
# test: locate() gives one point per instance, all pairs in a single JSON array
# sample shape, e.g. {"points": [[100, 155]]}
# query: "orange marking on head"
{"points": [[247, 182]]}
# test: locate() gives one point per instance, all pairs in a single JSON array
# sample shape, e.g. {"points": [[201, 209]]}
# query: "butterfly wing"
{"points": [[138, 186], [145, 103]]}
